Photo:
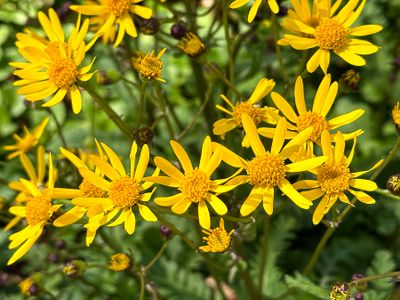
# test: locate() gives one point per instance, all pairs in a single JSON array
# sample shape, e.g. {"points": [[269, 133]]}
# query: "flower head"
{"points": [[194, 184], [119, 262], [28, 141], [273, 5], [37, 211], [334, 178], [149, 66], [53, 65], [316, 117], [329, 32], [111, 13], [192, 45], [217, 239], [250, 107]]}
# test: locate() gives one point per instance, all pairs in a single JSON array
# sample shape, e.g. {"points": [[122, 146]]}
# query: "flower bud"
{"points": [[60, 244], [150, 26], [29, 287], [74, 268], [339, 291], [178, 31], [393, 184], [119, 262], [106, 77], [144, 136], [350, 79], [165, 232], [192, 45], [359, 296], [361, 287]]}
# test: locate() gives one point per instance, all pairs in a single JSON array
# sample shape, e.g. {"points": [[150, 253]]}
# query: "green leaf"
{"points": [[306, 285], [383, 262]]}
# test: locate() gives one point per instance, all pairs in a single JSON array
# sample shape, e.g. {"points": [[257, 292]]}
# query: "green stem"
{"points": [[223, 78], [386, 193], [231, 66], [387, 160], [114, 117], [59, 128], [157, 257], [141, 277], [263, 253], [239, 220], [141, 103], [374, 277]]}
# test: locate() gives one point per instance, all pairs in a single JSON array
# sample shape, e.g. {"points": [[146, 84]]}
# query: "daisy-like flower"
{"points": [[149, 66], [316, 117], [334, 33], [119, 262], [113, 13], [123, 192], [53, 66], [192, 45], [217, 239], [334, 178], [268, 169], [36, 177], [28, 141], [273, 5], [195, 184], [250, 107], [37, 212]]}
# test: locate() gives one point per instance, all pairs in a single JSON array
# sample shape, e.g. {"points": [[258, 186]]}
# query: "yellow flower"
{"points": [[195, 184], [217, 239], [119, 262], [113, 12], [268, 169], [28, 141], [250, 107], [37, 212], [273, 5], [334, 178], [316, 117], [53, 66], [396, 115], [122, 192], [192, 45], [149, 66], [332, 33], [25, 286]]}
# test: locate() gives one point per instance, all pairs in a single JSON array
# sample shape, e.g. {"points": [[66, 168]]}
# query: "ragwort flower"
{"points": [[194, 184], [149, 66], [316, 117], [273, 5], [192, 45], [268, 169], [53, 65], [334, 178], [250, 107], [28, 141], [217, 239], [113, 13], [124, 192], [332, 33], [37, 212]]}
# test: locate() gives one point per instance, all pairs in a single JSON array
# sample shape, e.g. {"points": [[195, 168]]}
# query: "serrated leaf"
{"points": [[383, 262], [306, 285]]}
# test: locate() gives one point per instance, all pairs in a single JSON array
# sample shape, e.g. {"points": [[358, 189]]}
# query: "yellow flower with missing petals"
{"points": [[334, 178], [119, 262], [268, 169], [37, 212], [123, 192], [28, 141], [195, 184], [115, 12], [334, 33], [273, 5], [250, 107], [192, 45], [316, 117], [217, 239], [149, 66], [53, 66]]}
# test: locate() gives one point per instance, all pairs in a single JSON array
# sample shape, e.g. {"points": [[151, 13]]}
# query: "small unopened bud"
{"points": [[192, 45], [359, 296], [339, 291], [178, 31], [60, 244], [74, 268], [150, 26], [361, 287], [144, 136], [34, 289], [165, 232], [119, 262], [393, 184], [350, 78]]}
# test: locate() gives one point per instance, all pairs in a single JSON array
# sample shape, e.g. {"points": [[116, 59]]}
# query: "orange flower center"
{"points": [[330, 34], [191, 45], [245, 107], [150, 66], [125, 192], [63, 73], [91, 191], [312, 119], [218, 240], [266, 171], [118, 7], [195, 185], [38, 209], [333, 178]]}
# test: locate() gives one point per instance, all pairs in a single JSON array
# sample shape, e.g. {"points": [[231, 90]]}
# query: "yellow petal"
{"points": [[182, 156], [147, 214], [204, 215]]}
